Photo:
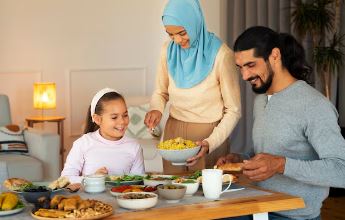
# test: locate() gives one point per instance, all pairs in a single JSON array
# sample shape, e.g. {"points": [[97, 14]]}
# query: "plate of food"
{"points": [[10, 204], [197, 175], [178, 150], [124, 180], [154, 180], [19, 185], [117, 190], [74, 207], [137, 200]]}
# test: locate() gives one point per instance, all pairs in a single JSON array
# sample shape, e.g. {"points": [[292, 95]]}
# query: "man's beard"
{"points": [[264, 85]]}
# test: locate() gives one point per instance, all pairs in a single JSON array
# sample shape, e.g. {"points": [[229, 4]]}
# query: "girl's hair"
{"points": [[263, 40], [92, 126]]}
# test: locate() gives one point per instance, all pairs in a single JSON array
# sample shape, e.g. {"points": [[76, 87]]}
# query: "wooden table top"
{"points": [[220, 209], [45, 118]]}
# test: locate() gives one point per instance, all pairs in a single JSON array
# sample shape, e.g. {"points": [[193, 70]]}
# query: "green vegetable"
{"points": [[188, 181], [195, 175]]}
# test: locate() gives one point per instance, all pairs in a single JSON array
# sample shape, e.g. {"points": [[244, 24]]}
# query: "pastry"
{"points": [[230, 167], [15, 184]]}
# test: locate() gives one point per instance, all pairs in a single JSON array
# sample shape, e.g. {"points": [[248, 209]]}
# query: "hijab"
{"points": [[188, 67]]}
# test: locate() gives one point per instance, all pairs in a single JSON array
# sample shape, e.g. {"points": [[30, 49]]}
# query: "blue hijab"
{"points": [[188, 67]]}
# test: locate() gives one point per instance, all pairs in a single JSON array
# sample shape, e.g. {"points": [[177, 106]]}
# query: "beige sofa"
{"points": [[42, 163], [152, 159]]}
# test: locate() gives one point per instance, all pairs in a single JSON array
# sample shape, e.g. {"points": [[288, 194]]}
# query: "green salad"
{"points": [[195, 175], [124, 178]]}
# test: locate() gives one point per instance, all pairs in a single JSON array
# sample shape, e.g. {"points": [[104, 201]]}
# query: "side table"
{"points": [[58, 119]]}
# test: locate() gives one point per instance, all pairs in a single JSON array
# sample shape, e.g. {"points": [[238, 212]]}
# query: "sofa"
{"points": [[41, 163], [137, 108]]}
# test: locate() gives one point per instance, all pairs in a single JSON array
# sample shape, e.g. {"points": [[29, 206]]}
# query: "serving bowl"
{"points": [[179, 157], [32, 195], [155, 180], [172, 192], [137, 200], [191, 185]]}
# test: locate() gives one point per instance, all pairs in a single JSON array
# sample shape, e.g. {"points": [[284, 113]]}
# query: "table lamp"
{"points": [[44, 95]]}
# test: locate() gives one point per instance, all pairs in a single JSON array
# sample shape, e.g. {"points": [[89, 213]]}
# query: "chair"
{"points": [[152, 159], [42, 163]]}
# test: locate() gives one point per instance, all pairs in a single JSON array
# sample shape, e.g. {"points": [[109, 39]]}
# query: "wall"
{"points": [[82, 46]]}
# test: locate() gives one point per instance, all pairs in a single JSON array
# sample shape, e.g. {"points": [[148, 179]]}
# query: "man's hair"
{"points": [[263, 40]]}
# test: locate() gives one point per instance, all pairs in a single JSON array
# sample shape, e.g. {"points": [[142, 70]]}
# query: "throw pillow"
{"points": [[12, 139], [136, 127]]}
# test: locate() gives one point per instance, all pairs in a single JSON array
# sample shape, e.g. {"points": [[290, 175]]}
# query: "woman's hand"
{"points": [[102, 171], [203, 151], [152, 118]]}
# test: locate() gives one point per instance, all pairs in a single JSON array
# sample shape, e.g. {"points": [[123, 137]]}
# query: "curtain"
{"points": [[275, 14]]}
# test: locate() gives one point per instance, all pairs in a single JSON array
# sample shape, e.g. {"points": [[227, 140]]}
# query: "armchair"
{"points": [[152, 159], [42, 163]]}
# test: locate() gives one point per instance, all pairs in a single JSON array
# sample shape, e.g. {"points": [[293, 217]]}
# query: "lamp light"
{"points": [[44, 95]]}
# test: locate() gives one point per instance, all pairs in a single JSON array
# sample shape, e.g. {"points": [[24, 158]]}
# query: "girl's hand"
{"points": [[102, 171], [152, 118], [203, 151]]}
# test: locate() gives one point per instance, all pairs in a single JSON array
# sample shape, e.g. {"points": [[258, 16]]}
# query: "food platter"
{"points": [[115, 183], [118, 190], [124, 180], [83, 218], [13, 211], [53, 191]]}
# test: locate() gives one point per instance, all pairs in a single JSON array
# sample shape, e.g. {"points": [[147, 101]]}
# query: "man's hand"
{"points": [[152, 118], [230, 158], [263, 166], [102, 171], [203, 151]]}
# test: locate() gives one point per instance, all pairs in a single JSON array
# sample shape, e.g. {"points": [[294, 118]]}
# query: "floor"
{"points": [[333, 208]]}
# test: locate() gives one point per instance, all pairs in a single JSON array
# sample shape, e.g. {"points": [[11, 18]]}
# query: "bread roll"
{"points": [[15, 184], [230, 167]]}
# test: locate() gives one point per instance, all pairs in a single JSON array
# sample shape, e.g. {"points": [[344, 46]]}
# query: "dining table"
{"points": [[242, 199]]}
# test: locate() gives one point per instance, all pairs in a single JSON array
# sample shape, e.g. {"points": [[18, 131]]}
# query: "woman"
{"points": [[198, 76]]}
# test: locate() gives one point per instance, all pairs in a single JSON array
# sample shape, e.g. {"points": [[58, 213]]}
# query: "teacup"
{"points": [[212, 181], [94, 183]]}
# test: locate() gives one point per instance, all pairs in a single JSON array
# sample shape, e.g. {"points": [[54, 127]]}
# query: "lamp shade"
{"points": [[44, 95]]}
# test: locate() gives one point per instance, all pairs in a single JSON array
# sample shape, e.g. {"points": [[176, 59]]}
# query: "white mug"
{"points": [[212, 181], [94, 183]]}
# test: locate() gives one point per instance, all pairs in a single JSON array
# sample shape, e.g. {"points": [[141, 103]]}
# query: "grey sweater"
{"points": [[300, 124]]}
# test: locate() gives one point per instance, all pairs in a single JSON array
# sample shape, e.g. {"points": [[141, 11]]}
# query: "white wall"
{"points": [[61, 40]]}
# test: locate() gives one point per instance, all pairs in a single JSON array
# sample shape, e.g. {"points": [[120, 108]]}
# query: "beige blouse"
{"points": [[216, 98]]}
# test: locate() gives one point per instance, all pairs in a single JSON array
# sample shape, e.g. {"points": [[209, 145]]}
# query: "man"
{"points": [[298, 147]]}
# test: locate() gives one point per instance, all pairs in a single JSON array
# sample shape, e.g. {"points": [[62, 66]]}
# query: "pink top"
{"points": [[91, 152]]}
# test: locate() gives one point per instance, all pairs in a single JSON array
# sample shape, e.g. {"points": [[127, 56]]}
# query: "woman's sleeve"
{"points": [[230, 91], [74, 163], [160, 95]]}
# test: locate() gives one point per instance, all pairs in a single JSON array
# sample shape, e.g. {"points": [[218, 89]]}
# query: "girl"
{"points": [[104, 149], [198, 76]]}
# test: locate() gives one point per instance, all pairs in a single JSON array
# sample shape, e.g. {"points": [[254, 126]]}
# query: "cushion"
{"points": [[12, 139], [136, 127]]}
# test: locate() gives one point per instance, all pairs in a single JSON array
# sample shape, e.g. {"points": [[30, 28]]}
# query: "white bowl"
{"points": [[179, 157], [150, 182], [137, 203], [192, 188], [172, 195]]}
